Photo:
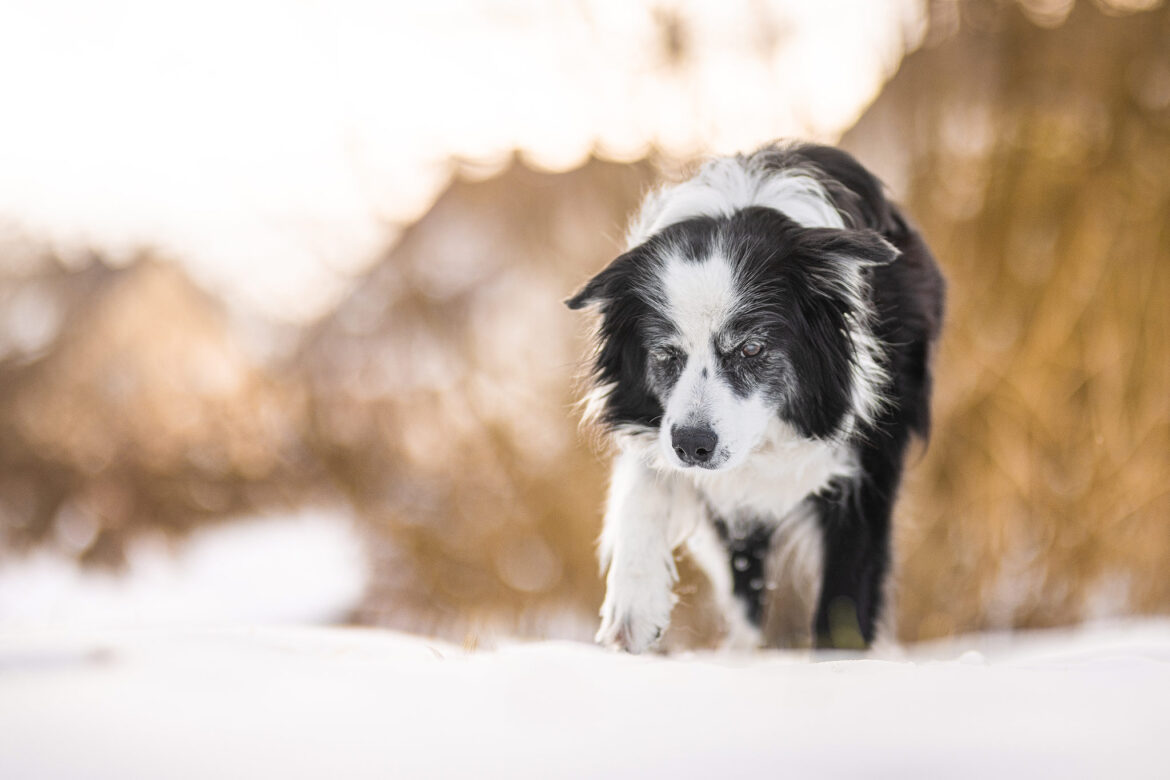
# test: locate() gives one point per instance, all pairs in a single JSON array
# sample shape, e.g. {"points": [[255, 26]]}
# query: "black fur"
{"points": [[747, 554]]}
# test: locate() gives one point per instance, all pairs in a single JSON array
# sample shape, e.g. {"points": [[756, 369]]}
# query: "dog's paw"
{"points": [[636, 611]]}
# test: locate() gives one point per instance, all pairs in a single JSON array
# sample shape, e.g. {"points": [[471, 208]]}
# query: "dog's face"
{"points": [[716, 327]]}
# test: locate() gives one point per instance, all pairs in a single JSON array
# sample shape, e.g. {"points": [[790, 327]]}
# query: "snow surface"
{"points": [[305, 567], [331, 702], [198, 662]]}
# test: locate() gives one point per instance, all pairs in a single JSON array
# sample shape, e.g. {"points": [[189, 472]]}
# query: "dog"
{"points": [[762, 360]]}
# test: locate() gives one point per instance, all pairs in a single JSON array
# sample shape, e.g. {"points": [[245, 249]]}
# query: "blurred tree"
{"points": [[1032, 143], [440, 403], [126, 404]]}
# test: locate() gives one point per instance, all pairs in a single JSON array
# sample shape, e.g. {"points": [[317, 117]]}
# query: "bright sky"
{"points": [[271, 146]]}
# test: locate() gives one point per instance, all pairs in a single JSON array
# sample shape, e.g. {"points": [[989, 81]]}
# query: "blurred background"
{"points": [[280, 325]]}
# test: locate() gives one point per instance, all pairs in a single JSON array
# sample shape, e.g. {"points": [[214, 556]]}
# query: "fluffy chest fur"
{"points": [[780, 473]]}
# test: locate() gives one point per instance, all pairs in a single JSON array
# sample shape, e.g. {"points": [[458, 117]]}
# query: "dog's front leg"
{"points": [[648, 514]]}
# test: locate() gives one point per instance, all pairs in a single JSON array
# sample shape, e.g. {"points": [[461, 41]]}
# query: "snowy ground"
{"points": [[194, 665], [319, 702], [307, 567]]}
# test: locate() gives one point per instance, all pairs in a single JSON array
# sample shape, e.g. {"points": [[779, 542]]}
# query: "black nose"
{"points": [[693, 445]]}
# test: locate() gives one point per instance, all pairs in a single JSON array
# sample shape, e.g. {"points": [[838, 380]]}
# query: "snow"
{"points": [[305, 567], [345, 702], [200, 661]]}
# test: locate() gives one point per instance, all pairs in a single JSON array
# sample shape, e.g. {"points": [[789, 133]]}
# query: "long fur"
{"points": [[762, 354]]}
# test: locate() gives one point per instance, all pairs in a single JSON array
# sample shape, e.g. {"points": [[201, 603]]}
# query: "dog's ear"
{"points": [[607, 284], [866, 247], [592, 292]]}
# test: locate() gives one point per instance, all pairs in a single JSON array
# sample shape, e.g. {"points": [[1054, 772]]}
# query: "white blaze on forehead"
{"points": [[700, 297]]}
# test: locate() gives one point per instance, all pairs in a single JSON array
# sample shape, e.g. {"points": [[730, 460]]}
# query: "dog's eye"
{"points": [[751, 349], [665, 356]]}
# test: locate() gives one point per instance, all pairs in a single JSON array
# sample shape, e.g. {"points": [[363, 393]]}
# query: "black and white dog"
{"points": [[762, 359]]}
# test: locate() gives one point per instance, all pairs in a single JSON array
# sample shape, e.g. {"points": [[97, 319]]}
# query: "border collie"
{"points": [[762, 359]]}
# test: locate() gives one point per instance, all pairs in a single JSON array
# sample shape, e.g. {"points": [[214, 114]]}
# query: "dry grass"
{"points": [[1038, 164]]}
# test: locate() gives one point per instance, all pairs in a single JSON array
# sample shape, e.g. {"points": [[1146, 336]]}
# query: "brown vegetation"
{"points": [[1037, 162]]}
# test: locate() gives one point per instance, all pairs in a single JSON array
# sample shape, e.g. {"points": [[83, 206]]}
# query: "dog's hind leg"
{"points": [[855, 520]]}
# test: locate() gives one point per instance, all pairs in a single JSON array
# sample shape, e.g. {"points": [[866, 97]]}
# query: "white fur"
{"points": [[783, 470], [868, 374], [649, 513], [592, 404], [710, 554], [726, 185], [794, 567], [799, 549], [699, 298]]}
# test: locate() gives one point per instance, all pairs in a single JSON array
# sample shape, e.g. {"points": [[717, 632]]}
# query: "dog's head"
{"points": [[715, 327]]}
